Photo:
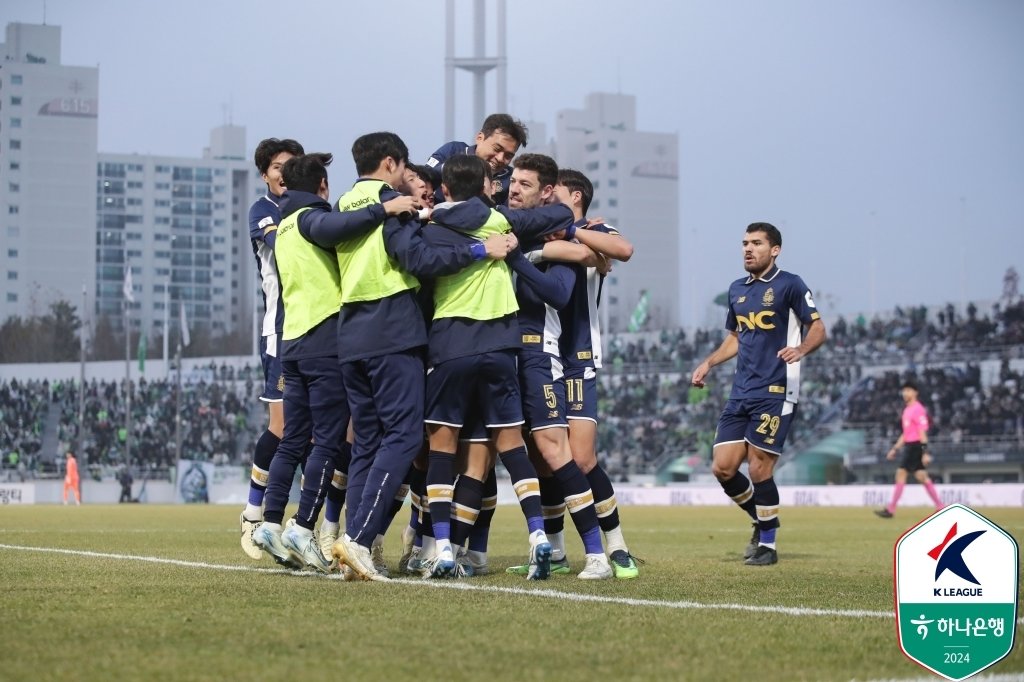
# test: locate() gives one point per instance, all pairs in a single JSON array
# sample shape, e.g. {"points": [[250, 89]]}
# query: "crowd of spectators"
{"points": [[930, 334], [23, 411], [215, 422], [959, 403], [650, 414]]}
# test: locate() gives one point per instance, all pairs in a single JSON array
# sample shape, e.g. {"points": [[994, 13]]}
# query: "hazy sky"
{"points": [[885, 139]]}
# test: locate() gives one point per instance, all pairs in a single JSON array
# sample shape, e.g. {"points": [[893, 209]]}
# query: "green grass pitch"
{"points": [[93, 612]]}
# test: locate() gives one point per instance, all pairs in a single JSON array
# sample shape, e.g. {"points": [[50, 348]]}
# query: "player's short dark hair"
{"points": [[544, 166], [424, 172], [368, 151], [464, 176], [576, 181], [909, 383], [514, 128], [267, 149], [774, 236], [304, 173]]}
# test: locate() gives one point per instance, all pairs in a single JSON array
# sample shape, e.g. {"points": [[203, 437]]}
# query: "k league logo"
{"points": [[952, 559], [956, 592]]}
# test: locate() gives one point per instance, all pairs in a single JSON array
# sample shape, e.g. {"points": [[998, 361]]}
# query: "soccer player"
{"points": [[381, 337], [768, 310], [474, 338], [541, 373], [499, 139], [419, 184], [264, 215], [914, 441], [71, 481], [580, 344]]}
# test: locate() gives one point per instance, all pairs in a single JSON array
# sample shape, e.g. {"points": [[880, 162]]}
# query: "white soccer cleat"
{"points": [[408, 542], [441, 565], [596, 568], [476, 561], [540, 557], [326, 538], [302, 545], [247, 527], [356, 557], [268, 538], [413, 565], [377, 557]]}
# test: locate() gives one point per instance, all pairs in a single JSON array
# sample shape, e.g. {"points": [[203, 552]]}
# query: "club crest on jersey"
{"points": [[768, 298]]}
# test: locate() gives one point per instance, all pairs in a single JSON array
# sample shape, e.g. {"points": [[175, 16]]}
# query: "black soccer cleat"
{"points": [[751, 547], [883, 513], [764, 556]]}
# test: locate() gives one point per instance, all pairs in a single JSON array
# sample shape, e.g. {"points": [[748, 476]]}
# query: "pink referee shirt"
{"points": [[915, 422]]}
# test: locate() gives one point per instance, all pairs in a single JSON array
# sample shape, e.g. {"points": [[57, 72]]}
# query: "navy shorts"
{"points": [[543, 387], [581, 393], [273, 378], [483, 384], [473, 429], [762, 422]]}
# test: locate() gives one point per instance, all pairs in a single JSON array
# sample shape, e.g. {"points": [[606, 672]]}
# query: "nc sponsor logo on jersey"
{"points": [[956, 578], [761, 320], [768, 298], [741, 299]]}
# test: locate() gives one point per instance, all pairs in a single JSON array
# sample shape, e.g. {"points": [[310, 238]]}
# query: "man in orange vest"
{"points": [[71, 478]]}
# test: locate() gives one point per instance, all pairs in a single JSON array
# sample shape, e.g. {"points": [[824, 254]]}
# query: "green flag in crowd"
{"points": [[142, 353], [639, 316]]}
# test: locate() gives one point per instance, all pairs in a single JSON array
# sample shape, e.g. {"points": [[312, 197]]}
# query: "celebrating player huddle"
{"points": [[420, 326], [423, 327]]}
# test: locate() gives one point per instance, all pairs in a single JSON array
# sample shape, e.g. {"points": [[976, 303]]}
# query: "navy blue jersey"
{"points": [[581, 325], [768, 314], [447, 151], [262, 214], [539, 321]]}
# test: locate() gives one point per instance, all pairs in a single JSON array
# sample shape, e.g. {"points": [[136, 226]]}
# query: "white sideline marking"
{"points": [[468, 587]]}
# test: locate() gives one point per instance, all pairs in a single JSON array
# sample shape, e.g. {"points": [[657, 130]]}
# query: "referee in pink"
{"points": [[914, 442]]}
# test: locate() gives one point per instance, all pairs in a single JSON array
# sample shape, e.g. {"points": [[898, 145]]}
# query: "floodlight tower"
{"points": [[479, 65]]}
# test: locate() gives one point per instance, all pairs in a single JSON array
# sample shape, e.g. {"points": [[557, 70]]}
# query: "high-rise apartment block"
{"points": [[636, 188], [181, 224], [76, 218], [48, 115]]}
